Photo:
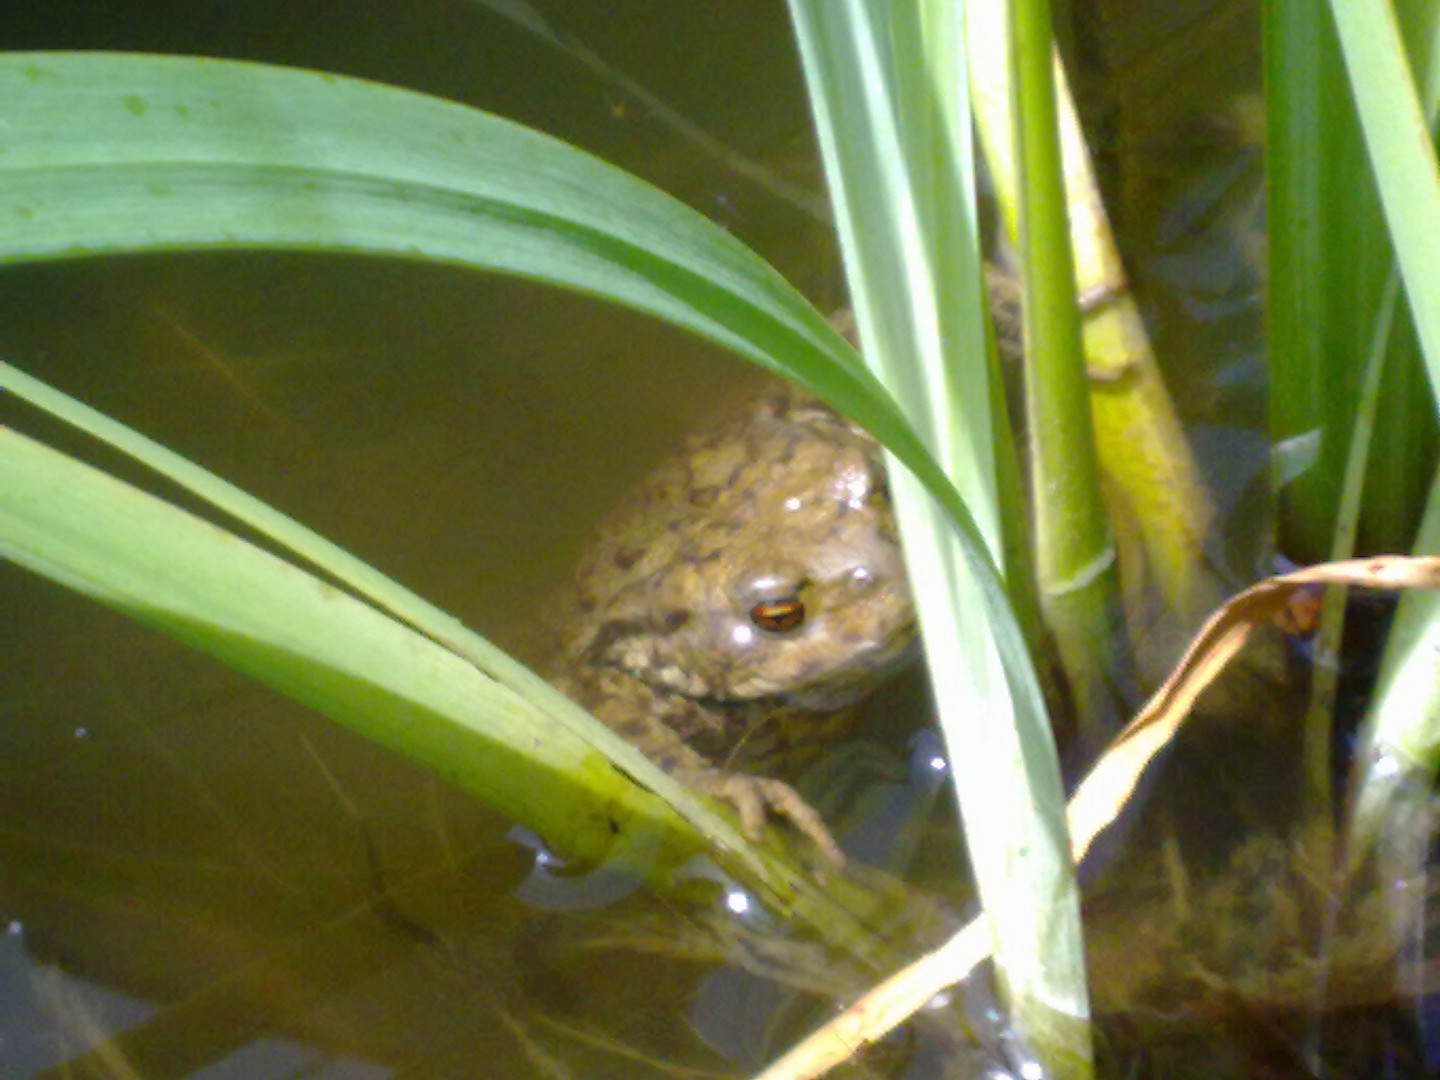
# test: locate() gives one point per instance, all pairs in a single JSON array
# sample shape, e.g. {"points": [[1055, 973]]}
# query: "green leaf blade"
{"points": [[157, 564]]}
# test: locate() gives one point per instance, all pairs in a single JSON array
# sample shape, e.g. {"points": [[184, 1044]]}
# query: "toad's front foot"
{"points": [[757, 797]]}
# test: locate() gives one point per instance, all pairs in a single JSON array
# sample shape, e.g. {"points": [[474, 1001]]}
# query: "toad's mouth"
{"points": [[833, 686]]}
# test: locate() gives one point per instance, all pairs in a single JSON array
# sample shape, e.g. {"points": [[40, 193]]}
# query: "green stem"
{"points": [[1074, 555]]}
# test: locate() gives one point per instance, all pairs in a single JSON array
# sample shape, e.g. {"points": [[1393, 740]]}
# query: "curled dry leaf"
{"points": [[1101, 795], [1108, 787]]}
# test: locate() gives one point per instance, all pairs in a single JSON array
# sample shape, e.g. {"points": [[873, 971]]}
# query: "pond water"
{"points": [[228, 885]]}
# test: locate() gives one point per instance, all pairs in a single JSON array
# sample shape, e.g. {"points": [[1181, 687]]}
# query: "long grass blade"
{"points": [[458, 706], [1142, 451], [157, 564], [357, 575], [1399, 744], [887, 86], [107, 153], [1397, 135], [1330, 258], [1075, 561]]}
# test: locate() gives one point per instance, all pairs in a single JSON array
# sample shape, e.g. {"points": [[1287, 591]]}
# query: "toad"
{"points": [[749, 591]]}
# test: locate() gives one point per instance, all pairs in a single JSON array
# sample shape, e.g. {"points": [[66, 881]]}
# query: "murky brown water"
{"points": [[241, 888]]}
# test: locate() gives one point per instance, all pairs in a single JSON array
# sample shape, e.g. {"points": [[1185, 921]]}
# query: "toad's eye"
{"points": [[776, 597], [778, 614]]}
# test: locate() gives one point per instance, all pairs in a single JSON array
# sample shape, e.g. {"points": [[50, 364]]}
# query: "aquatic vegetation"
{"points": [[159, 154]]}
